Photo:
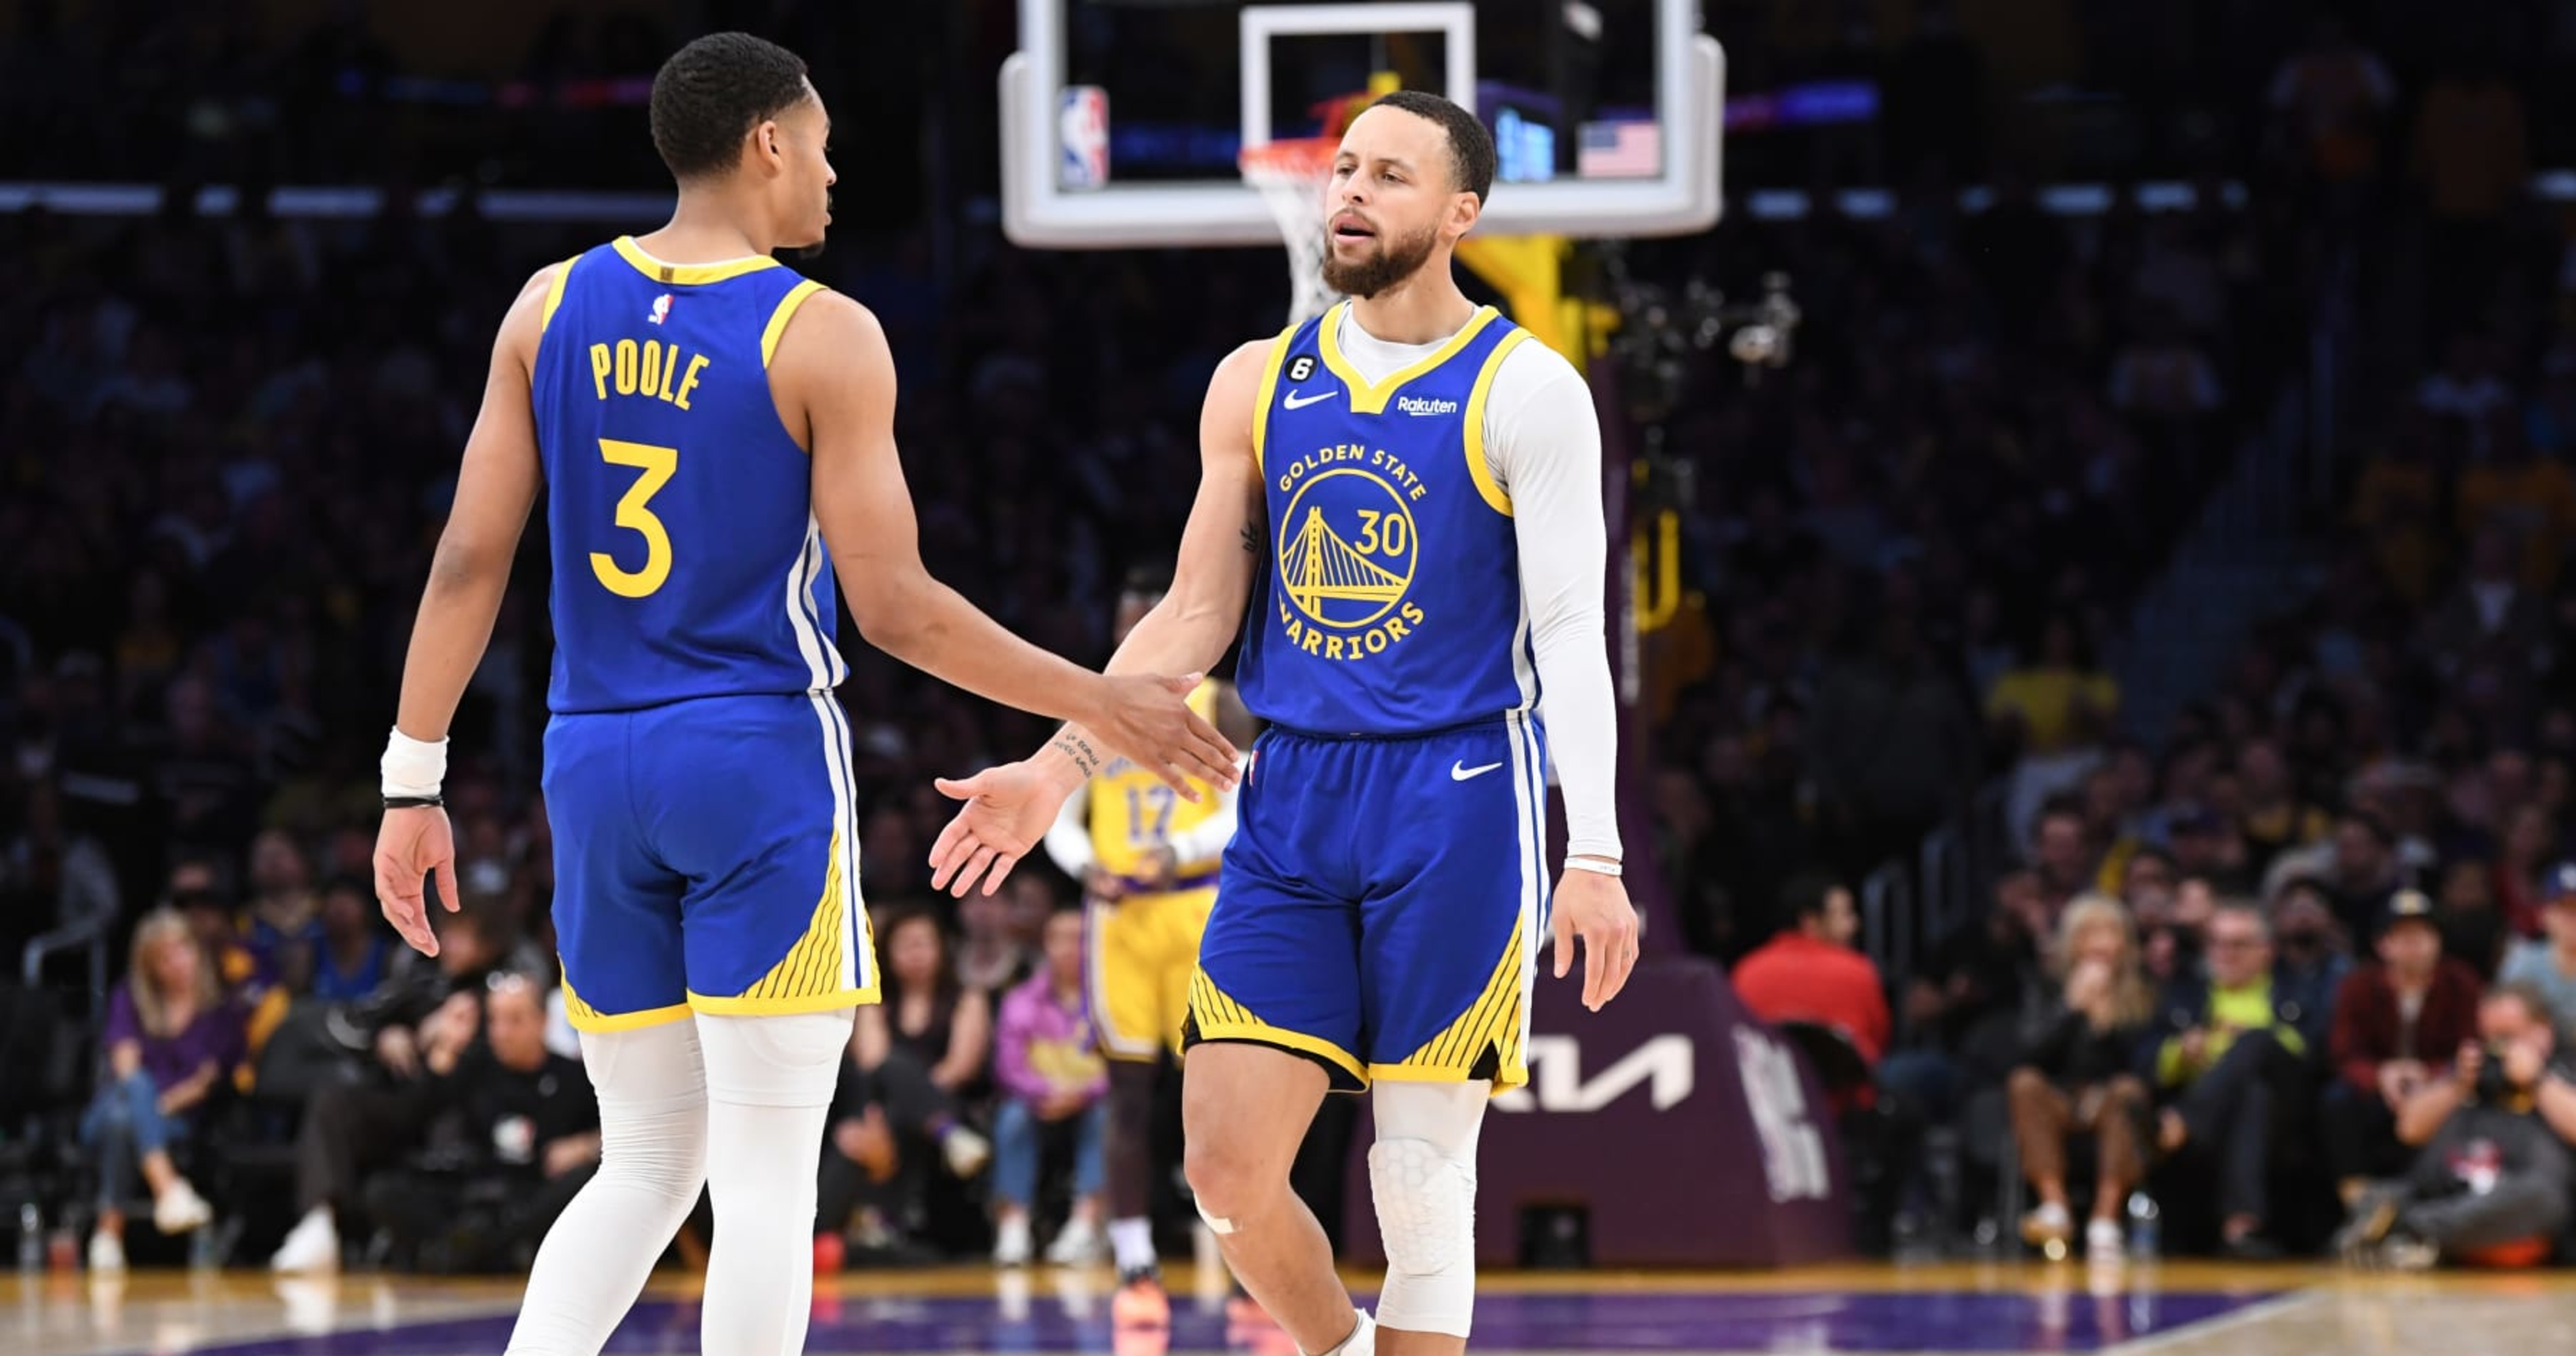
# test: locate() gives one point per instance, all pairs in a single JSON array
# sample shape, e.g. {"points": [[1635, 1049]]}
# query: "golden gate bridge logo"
{"points": [[1347, 581]]}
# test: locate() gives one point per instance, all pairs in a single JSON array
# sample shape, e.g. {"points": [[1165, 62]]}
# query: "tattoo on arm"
{"points": [[1256, 531], [1075, 747]]}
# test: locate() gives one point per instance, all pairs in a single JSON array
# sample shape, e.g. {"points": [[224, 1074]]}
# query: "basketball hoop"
{"points": [[1291, 176]]}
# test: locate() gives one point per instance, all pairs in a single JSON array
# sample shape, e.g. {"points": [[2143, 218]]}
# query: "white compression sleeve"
{"points": [[652, 1163], [1204, 842], [769, 1091], [1544, 442], [1068, 839], [1422, 1174]]}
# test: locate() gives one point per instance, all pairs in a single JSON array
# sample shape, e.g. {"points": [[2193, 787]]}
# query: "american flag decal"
{"points": [[1620, 150]]}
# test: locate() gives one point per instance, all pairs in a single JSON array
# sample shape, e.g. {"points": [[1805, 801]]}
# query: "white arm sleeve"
{"points": [[1204, 842], [1544, 444], [1068, 841]]}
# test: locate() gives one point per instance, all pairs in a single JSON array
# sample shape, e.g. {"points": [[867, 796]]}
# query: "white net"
{"points": [[1291, 176]]}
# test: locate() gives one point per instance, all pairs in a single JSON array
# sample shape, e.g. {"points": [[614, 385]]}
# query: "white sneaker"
{"points": [[966, 1151], [1013, 1245], [106, 1252], [312, 1245], [2048, 1224], [1078, 1244], [2103, 1239], [180, 1209]]}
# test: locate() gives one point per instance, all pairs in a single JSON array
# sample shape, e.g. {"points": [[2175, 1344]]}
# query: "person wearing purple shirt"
{"points": [[1051, 1073], [172, 1038]]}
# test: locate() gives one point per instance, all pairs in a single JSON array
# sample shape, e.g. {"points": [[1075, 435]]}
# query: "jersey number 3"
{"points": [[657, 464]]}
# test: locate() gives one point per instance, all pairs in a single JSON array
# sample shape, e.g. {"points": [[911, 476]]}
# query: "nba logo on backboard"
{"points": [[1082, 129]]}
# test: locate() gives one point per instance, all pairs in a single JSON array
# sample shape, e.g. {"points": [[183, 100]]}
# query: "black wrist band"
{"points": [[413, 802]]}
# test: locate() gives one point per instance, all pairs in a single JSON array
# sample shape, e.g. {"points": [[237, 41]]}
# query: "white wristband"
{"points": [[1594, 865], [412, 768]]}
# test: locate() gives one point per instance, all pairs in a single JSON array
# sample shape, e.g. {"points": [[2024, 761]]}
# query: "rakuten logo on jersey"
{"points": [[1418, 405]]}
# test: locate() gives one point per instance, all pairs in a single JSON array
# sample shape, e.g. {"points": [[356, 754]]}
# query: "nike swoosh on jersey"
{"points": [[1459, 772], [1292, 402]]}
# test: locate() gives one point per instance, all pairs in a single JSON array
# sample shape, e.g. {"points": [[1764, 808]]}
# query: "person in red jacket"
{"points": [[2396, 1021], [1810, 973]]}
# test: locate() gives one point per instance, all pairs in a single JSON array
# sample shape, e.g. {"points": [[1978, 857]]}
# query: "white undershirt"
{"points": [[1543, 444]]}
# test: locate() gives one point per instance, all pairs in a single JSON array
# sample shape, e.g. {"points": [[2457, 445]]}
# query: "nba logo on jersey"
{"points": [[661, 309], [1082, 129]]}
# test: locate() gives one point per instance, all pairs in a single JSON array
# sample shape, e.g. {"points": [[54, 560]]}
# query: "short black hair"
{"points": [[1471, 145], [711, 93], [1804, 896]]}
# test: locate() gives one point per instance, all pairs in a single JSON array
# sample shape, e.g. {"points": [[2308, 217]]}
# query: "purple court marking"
{"points": [[1824, 1320]]}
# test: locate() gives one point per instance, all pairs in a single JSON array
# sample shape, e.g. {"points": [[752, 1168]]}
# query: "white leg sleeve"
{"points": [[652, 1161], [1422, 1172], [769, 1089]]}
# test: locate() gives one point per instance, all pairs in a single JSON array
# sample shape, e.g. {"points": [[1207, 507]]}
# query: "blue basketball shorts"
{"points": [[1381, 907], [706, 860]]}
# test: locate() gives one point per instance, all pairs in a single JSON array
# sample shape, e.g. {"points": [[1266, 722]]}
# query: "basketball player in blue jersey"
{"points": [[1408, 494], [715, 437]]}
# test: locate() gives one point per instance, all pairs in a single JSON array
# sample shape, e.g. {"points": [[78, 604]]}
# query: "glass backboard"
{"points": [[1122, 119]]}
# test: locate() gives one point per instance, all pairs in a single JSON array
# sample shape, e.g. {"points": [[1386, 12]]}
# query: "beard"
{"points": [[1393, 261]]}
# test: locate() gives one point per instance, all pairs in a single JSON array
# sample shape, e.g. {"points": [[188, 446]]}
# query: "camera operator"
{"points": [[2491, 1182]]}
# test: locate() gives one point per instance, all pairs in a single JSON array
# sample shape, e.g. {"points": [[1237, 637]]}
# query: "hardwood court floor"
{"points": [[2183, 1309]]}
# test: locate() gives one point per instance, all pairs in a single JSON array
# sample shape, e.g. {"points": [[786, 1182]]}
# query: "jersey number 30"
{"points": [[658, 464]]}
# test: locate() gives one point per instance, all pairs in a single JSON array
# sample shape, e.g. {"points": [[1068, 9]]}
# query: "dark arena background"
{"points": [[2090, 496]]}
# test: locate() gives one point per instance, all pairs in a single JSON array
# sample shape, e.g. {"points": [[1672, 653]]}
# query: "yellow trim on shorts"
{"points": [[1492, 1021], [554, 293], [1220, 1018], [584, 1017], [1477, 467], [784, 1007], [776, 329], [1369, 397], [798, 982], [1269, 392]]}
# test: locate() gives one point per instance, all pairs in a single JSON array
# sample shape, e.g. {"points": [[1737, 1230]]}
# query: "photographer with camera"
{"points": [[2490, 1185]]}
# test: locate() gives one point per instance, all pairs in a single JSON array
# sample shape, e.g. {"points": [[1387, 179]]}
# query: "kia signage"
{"points": [[1681, 1128]]}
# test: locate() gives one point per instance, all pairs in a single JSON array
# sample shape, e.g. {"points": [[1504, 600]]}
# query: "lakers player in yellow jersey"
{"points": [[1147, 861]]}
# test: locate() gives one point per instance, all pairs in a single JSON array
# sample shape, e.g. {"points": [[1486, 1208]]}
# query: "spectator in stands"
{"points": [[1810, 973], [2076, 1078], [2311, 952], [1048, 1063], [2357, 869], [173, 1041], [351, 1131], [2276, 818], [2548, 964], [989, 955], [928, 1013], [514, 1134], [283, 930], [2229, 1059], [2058, 698], [2064, 854], [354, 952], [1963, 1008], [2491, 1182], [2396, 1020]]}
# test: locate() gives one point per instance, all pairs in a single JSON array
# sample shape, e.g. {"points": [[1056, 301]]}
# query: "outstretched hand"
{"points": [[411, 843], [1149, 721], [1007, 811], [1595, 907]]}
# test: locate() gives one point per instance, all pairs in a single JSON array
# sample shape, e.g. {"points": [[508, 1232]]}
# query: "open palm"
{"points": [[1006, 812]]}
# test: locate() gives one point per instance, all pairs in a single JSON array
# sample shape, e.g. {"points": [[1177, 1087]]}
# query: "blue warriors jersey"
{"points": [[1390, 602], [686, 558]]}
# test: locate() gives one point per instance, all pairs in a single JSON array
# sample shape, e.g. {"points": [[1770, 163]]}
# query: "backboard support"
{"points": [[1038, 106]]}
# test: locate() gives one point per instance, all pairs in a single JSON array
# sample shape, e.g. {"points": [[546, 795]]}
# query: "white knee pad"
{"points": [[1422, 1172], [787, 1061]]}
